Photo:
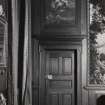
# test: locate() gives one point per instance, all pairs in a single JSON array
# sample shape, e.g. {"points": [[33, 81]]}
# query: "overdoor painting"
{"points": [[60, 11], [97, 42]]}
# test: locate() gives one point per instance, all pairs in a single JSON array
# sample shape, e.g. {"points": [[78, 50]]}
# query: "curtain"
{"points": [[27, 64], [21, 52], [14, 44]]}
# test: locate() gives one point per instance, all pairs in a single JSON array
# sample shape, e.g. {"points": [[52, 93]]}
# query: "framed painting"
{"points": [[60, 12], [60, 16]]}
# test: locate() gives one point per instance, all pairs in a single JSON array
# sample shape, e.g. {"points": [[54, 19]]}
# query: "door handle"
{"points": [[49, 77]]}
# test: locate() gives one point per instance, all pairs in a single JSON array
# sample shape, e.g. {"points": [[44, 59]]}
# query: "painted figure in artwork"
{"points": [[61, 10]]}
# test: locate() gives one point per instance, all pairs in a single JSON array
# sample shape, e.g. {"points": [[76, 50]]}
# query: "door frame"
{"points": [[48, 45]]}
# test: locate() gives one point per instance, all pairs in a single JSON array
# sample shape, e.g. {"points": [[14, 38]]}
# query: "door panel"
{"points": [[59, 78]]}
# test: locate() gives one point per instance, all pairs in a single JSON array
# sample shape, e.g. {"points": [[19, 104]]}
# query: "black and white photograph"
{"points": [[52, 52]]}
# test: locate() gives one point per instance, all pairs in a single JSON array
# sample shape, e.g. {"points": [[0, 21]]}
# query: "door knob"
{"points": [[50, 77]]}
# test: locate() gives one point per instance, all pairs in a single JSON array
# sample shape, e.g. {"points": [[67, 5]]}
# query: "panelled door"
{"points": [[59, 82]]}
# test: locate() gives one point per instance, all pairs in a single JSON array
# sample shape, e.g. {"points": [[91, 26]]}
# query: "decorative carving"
{"points": [[2, 99], [3, 10], [61, 11], [3, 31], [2, 13], [3, 50]]}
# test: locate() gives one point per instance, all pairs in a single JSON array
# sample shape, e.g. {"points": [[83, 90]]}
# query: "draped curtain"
{"points": [[14, 44], [21, 52], [27, 64]]}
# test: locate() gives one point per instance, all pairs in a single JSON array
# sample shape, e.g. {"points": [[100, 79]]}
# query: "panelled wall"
{"points": [[59, 30]]}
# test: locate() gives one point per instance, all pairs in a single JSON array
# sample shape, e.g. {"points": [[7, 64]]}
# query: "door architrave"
{"points": [[48, 45]]}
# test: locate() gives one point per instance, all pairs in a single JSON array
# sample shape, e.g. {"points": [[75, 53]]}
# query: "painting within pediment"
{"points": [[60, 11]]}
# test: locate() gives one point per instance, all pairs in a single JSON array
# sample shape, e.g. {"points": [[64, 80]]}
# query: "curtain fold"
{"points": [[14, 43], [21, 31], [27, 64]]}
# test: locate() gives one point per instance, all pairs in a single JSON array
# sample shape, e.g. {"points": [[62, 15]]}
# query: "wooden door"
{"points": [[59, 78]]}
